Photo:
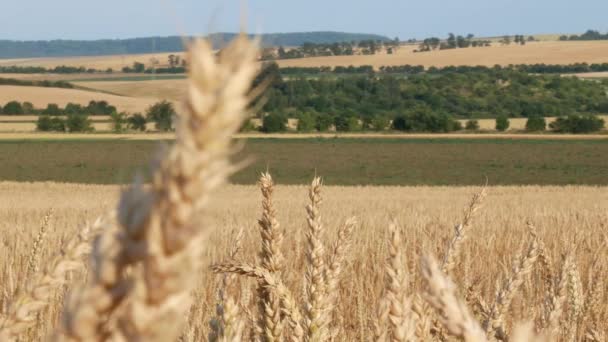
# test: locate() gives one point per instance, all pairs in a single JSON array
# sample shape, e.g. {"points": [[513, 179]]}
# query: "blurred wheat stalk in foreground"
{"points": [[142, 276]]}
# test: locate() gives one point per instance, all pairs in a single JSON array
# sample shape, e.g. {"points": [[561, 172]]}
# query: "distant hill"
{"points": [[66, 48]]}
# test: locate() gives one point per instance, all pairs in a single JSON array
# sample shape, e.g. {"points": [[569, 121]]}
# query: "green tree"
{"points": [[274, 122], [502, 123], [346, 123], [119, 122], [13, 108], [306, 122], [44, 123], [74, 108], [79, 123], [472, 125], [161, 114], [577, 124], [137, 122], [536, 123], [28, 108], [52, 109]]}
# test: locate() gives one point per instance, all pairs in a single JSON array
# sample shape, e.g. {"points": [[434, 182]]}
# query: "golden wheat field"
{"points": [[189, 258], [539, 52], [569, 221]]}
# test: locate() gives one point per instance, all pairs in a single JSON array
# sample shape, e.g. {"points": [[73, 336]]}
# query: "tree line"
{"points": [[27, 108], [589, 35], [45, 83], [436, 100], [308, 49], [420, 69]]}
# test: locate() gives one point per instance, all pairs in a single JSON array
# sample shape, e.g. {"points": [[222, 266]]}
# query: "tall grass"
{"points": [[168, 267]]}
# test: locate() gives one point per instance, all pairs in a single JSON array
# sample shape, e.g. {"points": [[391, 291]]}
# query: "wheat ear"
{"points": [[39, 293], [271, 258], [460, 231], [288, 303], [161, 237], [495, 324], [315, 322], [400, 316], [452, 312], [32, 262], [228, 325], [336, 264]]}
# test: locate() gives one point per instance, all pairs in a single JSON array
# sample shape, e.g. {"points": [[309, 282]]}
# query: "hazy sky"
{"points": [[88, 19]]}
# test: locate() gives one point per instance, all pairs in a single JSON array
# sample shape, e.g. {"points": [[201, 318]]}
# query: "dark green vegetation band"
{"points": [[339, 161]]}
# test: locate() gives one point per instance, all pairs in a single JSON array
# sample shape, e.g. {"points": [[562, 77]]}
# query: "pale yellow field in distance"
{"points": [[564, 216], [116, 62], [550, 52]]}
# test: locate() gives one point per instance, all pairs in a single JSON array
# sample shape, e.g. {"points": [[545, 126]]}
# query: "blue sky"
{"points": [[94, 19]]}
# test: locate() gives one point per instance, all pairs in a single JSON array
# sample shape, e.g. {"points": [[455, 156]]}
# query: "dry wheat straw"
{"points": [[162, 236]]}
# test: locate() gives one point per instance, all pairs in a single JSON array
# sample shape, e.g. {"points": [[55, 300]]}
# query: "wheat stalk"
{"points": [[161, 233]]}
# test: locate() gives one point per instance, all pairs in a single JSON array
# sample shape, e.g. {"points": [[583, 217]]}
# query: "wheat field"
{"points": [[569, 220], [189, 258], [539, 52]]}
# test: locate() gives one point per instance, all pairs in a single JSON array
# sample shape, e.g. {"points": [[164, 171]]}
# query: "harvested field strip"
{"points": [[341, 161]]}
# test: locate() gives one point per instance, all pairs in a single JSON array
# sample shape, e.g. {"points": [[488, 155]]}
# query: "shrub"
{"points": [[247, 126], [424, 120], [536, 123], [78, 123], [323, 122], [44, 123], [13, 108], [161, 114], [137, 122], [306, 122], [119, 122], [577, 124], [346, 123], [47, 123], [472, 125], [401, 123], [378, 123], [274, 122], [502, 123]]}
